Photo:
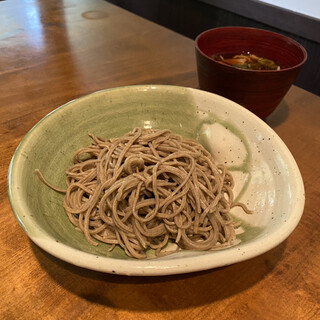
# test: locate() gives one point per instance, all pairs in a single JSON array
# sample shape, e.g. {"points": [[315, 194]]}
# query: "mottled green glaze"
{"points": [[49, 146]]}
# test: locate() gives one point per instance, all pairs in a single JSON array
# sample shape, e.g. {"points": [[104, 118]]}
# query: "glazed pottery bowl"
{"points": [[260, 91], [266, 176]]}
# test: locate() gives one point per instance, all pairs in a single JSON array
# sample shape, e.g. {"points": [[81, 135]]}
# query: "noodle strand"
{"points": [[147, 188]]}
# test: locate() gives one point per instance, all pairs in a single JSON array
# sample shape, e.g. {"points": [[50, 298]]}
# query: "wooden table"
{"points": [[54, 51]]}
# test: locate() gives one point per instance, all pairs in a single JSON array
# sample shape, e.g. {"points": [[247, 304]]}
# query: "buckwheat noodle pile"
{"points": [[146, 188]]}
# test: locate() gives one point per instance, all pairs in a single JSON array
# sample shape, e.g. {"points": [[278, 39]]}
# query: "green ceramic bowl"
{"points": [[267, 177]]}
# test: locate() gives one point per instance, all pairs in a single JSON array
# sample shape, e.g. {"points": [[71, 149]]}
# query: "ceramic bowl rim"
{"points": [[155, 267]]}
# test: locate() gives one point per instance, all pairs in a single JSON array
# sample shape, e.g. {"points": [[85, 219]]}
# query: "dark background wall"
{"points": [[191, 17]]}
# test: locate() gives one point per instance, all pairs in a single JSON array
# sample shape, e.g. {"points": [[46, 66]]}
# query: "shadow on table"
{"points": [[162, 293], [279, 115]]}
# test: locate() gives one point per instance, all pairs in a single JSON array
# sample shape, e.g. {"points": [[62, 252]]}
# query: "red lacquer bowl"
{"points": [[260, 91]]}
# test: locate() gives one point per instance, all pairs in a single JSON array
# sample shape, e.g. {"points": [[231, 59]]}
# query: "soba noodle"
{"points": [[147, 188]]}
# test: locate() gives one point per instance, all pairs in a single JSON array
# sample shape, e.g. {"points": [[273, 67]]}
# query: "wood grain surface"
{"points": [[55, 51]]}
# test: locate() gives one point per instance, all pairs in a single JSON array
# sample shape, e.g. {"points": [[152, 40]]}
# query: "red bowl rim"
{"points": [[305, 55]]}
